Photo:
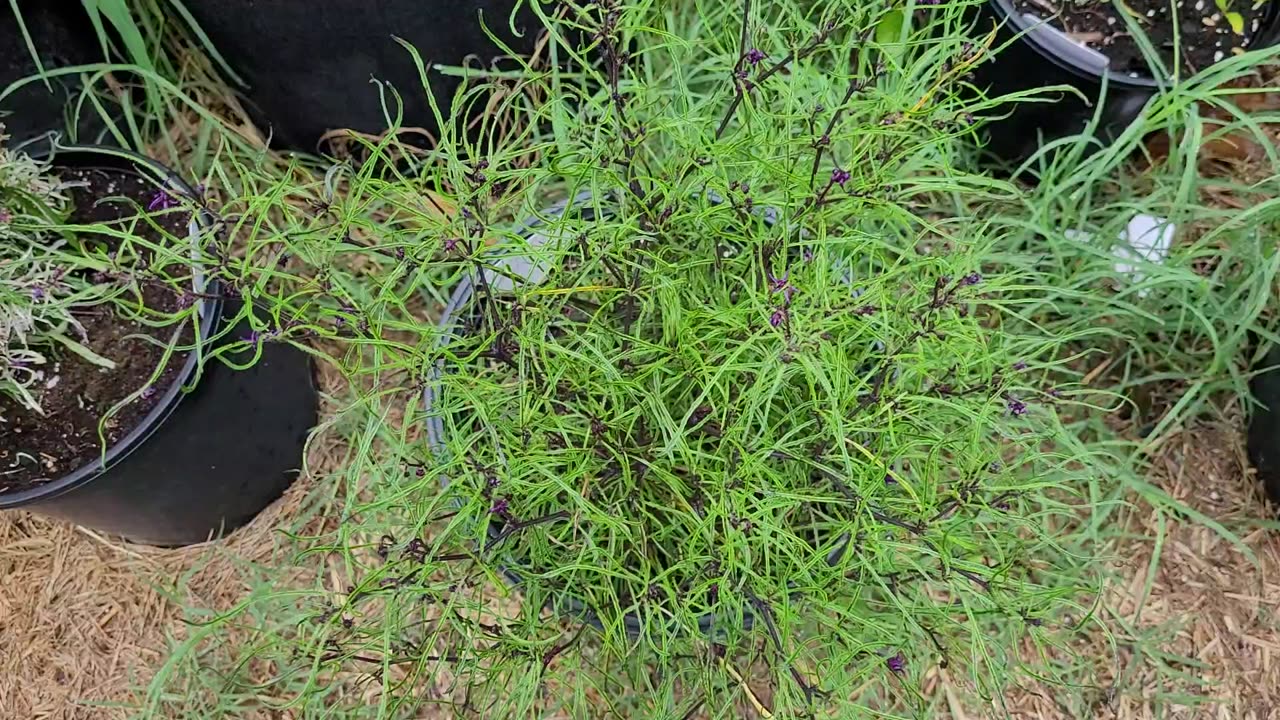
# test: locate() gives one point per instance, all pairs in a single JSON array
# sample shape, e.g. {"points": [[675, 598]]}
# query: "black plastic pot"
{"points": [[207, 458], [1039, 56], [1264, 425], [308, 65], [62, 36]]}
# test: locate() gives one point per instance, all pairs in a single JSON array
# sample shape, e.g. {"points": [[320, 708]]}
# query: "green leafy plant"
{"points": [[758, 407], [1234, 19], [741, 397]]}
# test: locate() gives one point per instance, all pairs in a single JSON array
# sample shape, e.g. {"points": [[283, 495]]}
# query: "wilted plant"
{"points": [[37, 286]]}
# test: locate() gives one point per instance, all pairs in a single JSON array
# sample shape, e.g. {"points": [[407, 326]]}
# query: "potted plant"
{"points": [[1131, 49], [115, 412], [725, 388]]}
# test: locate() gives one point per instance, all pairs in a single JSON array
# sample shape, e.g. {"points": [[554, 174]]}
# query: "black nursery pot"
{"points": [[1264, 425], [308, 65], [62, 36], [1039, 55], [207, 458]]}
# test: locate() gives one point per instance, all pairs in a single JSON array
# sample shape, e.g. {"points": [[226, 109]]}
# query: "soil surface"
{"points": [[76, 394], [1204, 30]]}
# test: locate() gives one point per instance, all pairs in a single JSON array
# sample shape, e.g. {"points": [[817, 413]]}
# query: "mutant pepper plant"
{"points": [[748, 382], [721, 403]]}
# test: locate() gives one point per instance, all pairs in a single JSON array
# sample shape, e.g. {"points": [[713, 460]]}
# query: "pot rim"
{"points": [[96, 156], [1056, 47], [1061, 50]]}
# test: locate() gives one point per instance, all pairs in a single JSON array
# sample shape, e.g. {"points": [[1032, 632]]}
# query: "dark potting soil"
{"points": [[1204, 30], [74, 393]]}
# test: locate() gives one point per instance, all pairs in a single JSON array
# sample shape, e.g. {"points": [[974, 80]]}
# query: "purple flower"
{"points": [[1017, 408], [807, 254], [896, 664], [778, 317], [783, 286], [500, 508], [755, 56], [1020, 365], [37, 293], [776, 283], [865, 310], [889, 480], [5, 216], [162, 200], [840, 177], [450, 244], [148, 392], [971, 279]]}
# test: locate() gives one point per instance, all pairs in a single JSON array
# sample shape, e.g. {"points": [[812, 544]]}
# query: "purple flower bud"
{"points": [[162, 200], [1020, 365], [501, 507], [755, 56], [896, 664], [5, 217], [971, 279], [840, 177], [778, 317], [37, 293], [1017, 408], [889, 479], [776, 284], [450, 244]]}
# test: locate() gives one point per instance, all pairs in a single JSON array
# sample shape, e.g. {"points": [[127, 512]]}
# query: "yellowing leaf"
{"points": [[1236, 20]]}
